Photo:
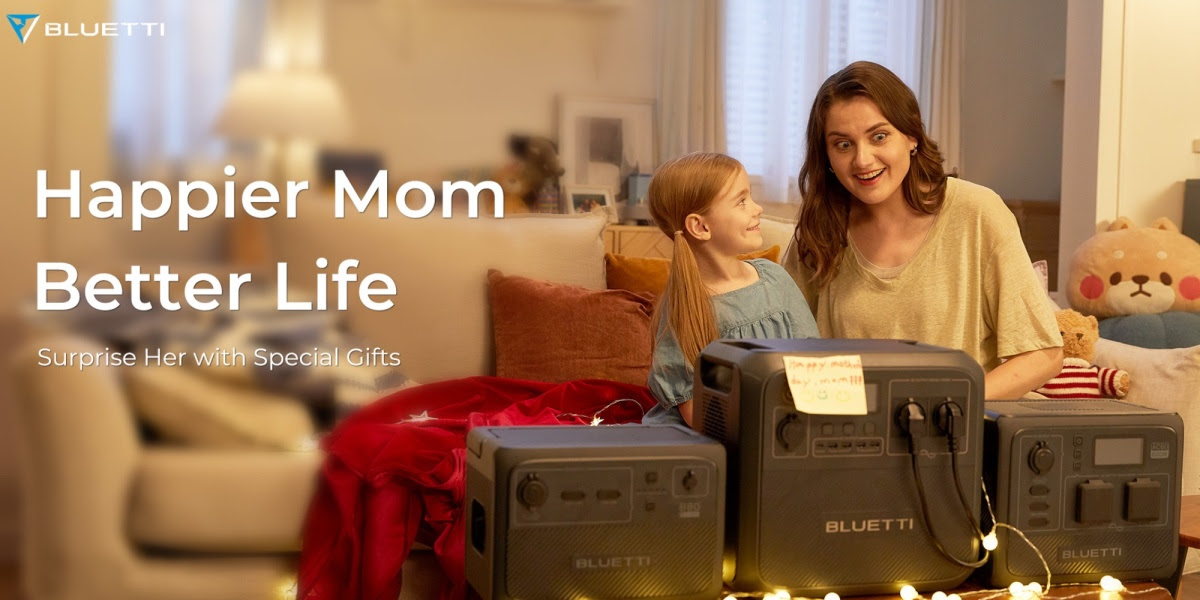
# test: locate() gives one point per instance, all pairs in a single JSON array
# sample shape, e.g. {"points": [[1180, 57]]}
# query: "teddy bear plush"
{"points": [[534, 164], [1142, 282], [1079, 377]]}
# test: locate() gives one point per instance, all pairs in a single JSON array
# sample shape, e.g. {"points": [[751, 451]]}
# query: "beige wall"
{"points": [[438, 85], [1012, 96], [1132, 113]]}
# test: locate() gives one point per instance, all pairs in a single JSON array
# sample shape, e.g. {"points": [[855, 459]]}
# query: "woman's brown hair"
{"points": [[680, 187], [820, 236]]}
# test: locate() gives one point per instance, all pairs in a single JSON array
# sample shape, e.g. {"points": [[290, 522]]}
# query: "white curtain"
{"points": [[778, 52], [941, 80], [165, 92], [691, 85]]}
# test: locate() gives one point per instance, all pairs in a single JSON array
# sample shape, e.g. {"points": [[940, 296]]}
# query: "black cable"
{"points": [[952, 445], [911, 415], [929, 527]]}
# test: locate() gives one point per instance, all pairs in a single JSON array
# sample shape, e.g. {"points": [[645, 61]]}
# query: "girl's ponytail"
{"points": [[689, 307]]}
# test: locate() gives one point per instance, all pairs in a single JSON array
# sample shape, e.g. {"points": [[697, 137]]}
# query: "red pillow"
{"points": [[554, 332]]}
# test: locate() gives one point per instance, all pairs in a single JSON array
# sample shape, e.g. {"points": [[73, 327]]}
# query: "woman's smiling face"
{"points": [[869, 156]]}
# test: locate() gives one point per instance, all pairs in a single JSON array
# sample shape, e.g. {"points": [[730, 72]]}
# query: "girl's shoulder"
{"points": [[769, 270]]}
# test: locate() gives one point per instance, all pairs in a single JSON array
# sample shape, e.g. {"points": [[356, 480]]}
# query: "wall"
{"points": [[437, 85], [1012, 96], [1132, 113]]}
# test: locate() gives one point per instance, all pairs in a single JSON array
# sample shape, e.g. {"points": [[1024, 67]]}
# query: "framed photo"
{"points": [[602, 141], [589, 198]]}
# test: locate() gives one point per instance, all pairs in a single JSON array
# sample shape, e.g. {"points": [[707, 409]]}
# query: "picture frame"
{"points": [[602, 141], [582, 199]]}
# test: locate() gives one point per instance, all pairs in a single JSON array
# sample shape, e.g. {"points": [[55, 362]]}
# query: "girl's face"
{"points": [[732, 220], [869, 156]]}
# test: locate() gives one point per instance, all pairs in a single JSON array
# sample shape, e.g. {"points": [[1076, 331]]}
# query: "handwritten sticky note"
{"points": [[827, 385]]}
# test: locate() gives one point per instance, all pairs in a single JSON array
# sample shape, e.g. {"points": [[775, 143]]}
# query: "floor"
{"points": [[8, 585]]}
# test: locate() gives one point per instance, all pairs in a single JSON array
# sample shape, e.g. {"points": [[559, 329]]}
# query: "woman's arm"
{"points": [[1022, 373]]}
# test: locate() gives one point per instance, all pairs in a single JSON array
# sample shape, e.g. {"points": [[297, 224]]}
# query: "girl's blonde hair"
{"points": [[680, 187]]}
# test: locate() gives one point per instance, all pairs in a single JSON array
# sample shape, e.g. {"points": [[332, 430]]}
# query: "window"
{"points": [[777, 53], [165, 92]]}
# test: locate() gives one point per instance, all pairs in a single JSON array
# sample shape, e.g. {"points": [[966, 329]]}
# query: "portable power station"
{"points": [[619, 512], [1093, 484], [821, 503]]}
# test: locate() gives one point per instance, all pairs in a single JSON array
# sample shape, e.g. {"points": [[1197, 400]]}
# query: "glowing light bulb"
{"points": [[938, 595], [1034, 588], [783, 595], [953, 597], [1016, 589], [990, 542], [770, 596], [909, 592], [731, 597], [1109, 583], [832, 596]]}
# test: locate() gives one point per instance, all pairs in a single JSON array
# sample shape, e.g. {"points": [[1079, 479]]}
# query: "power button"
{"points": [[1041, 458]]}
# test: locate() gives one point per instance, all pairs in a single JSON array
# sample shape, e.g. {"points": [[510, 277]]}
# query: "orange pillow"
{"points": [[554, 332], [649, 275]]}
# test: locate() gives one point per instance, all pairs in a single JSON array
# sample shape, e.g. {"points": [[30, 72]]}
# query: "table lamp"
{"points": [[281, 106]]}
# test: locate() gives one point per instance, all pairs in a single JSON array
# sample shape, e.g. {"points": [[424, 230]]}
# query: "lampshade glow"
{"points": [[294, 104]]}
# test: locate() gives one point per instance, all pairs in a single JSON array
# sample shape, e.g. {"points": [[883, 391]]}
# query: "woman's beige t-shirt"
{"points": [[969, 287]]}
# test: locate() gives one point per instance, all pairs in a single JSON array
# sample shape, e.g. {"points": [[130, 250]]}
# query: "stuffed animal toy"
{"points": [[535, 162], [1143, 282], [1079, 377]]}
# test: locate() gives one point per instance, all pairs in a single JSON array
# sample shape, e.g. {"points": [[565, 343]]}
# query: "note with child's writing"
{"points": [[827, 385]]}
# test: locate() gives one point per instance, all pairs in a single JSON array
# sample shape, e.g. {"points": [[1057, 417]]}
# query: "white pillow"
{"points": [[186, 407], [777, 231], [1167, 380]]}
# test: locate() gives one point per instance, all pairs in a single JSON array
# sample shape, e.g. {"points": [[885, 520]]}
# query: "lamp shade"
{"points": [[300, 104]]}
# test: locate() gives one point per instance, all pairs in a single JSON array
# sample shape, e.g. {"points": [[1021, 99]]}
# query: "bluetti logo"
{"points": [[22, 25]]}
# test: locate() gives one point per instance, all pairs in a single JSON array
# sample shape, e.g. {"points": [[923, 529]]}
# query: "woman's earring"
{"points": [[830, 169], [913, 152]]}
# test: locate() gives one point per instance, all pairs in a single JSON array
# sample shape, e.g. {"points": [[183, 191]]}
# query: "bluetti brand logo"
{"points": [[22, 25]]}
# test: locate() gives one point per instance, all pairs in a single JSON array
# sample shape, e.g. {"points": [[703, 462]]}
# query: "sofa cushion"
{"points": [[215, 501], [1168, 380], [440, 321], [553, 332], [189, 407], [1171, 329], [777, 231], [648, 275]]}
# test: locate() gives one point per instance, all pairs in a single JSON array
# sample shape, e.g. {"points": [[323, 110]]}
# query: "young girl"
{"points": [[703, 202]]}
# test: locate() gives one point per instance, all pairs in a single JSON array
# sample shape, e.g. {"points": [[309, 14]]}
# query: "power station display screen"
{"points": [[1118, 451]]}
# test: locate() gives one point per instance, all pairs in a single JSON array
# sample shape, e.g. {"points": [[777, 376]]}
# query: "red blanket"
{"points": [[395, 471]]}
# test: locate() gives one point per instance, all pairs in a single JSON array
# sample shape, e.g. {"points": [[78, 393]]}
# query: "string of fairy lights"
{"points": [[1111, 588]]}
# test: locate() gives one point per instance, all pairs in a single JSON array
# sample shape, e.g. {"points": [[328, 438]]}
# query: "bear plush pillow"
{"points": [[1142, 282]]}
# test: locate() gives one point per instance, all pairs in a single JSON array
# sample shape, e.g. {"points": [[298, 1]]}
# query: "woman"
{"points": [[887, 246]]}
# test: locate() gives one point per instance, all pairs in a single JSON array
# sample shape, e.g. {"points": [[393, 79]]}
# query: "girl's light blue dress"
{"points": [[770, 308]]}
